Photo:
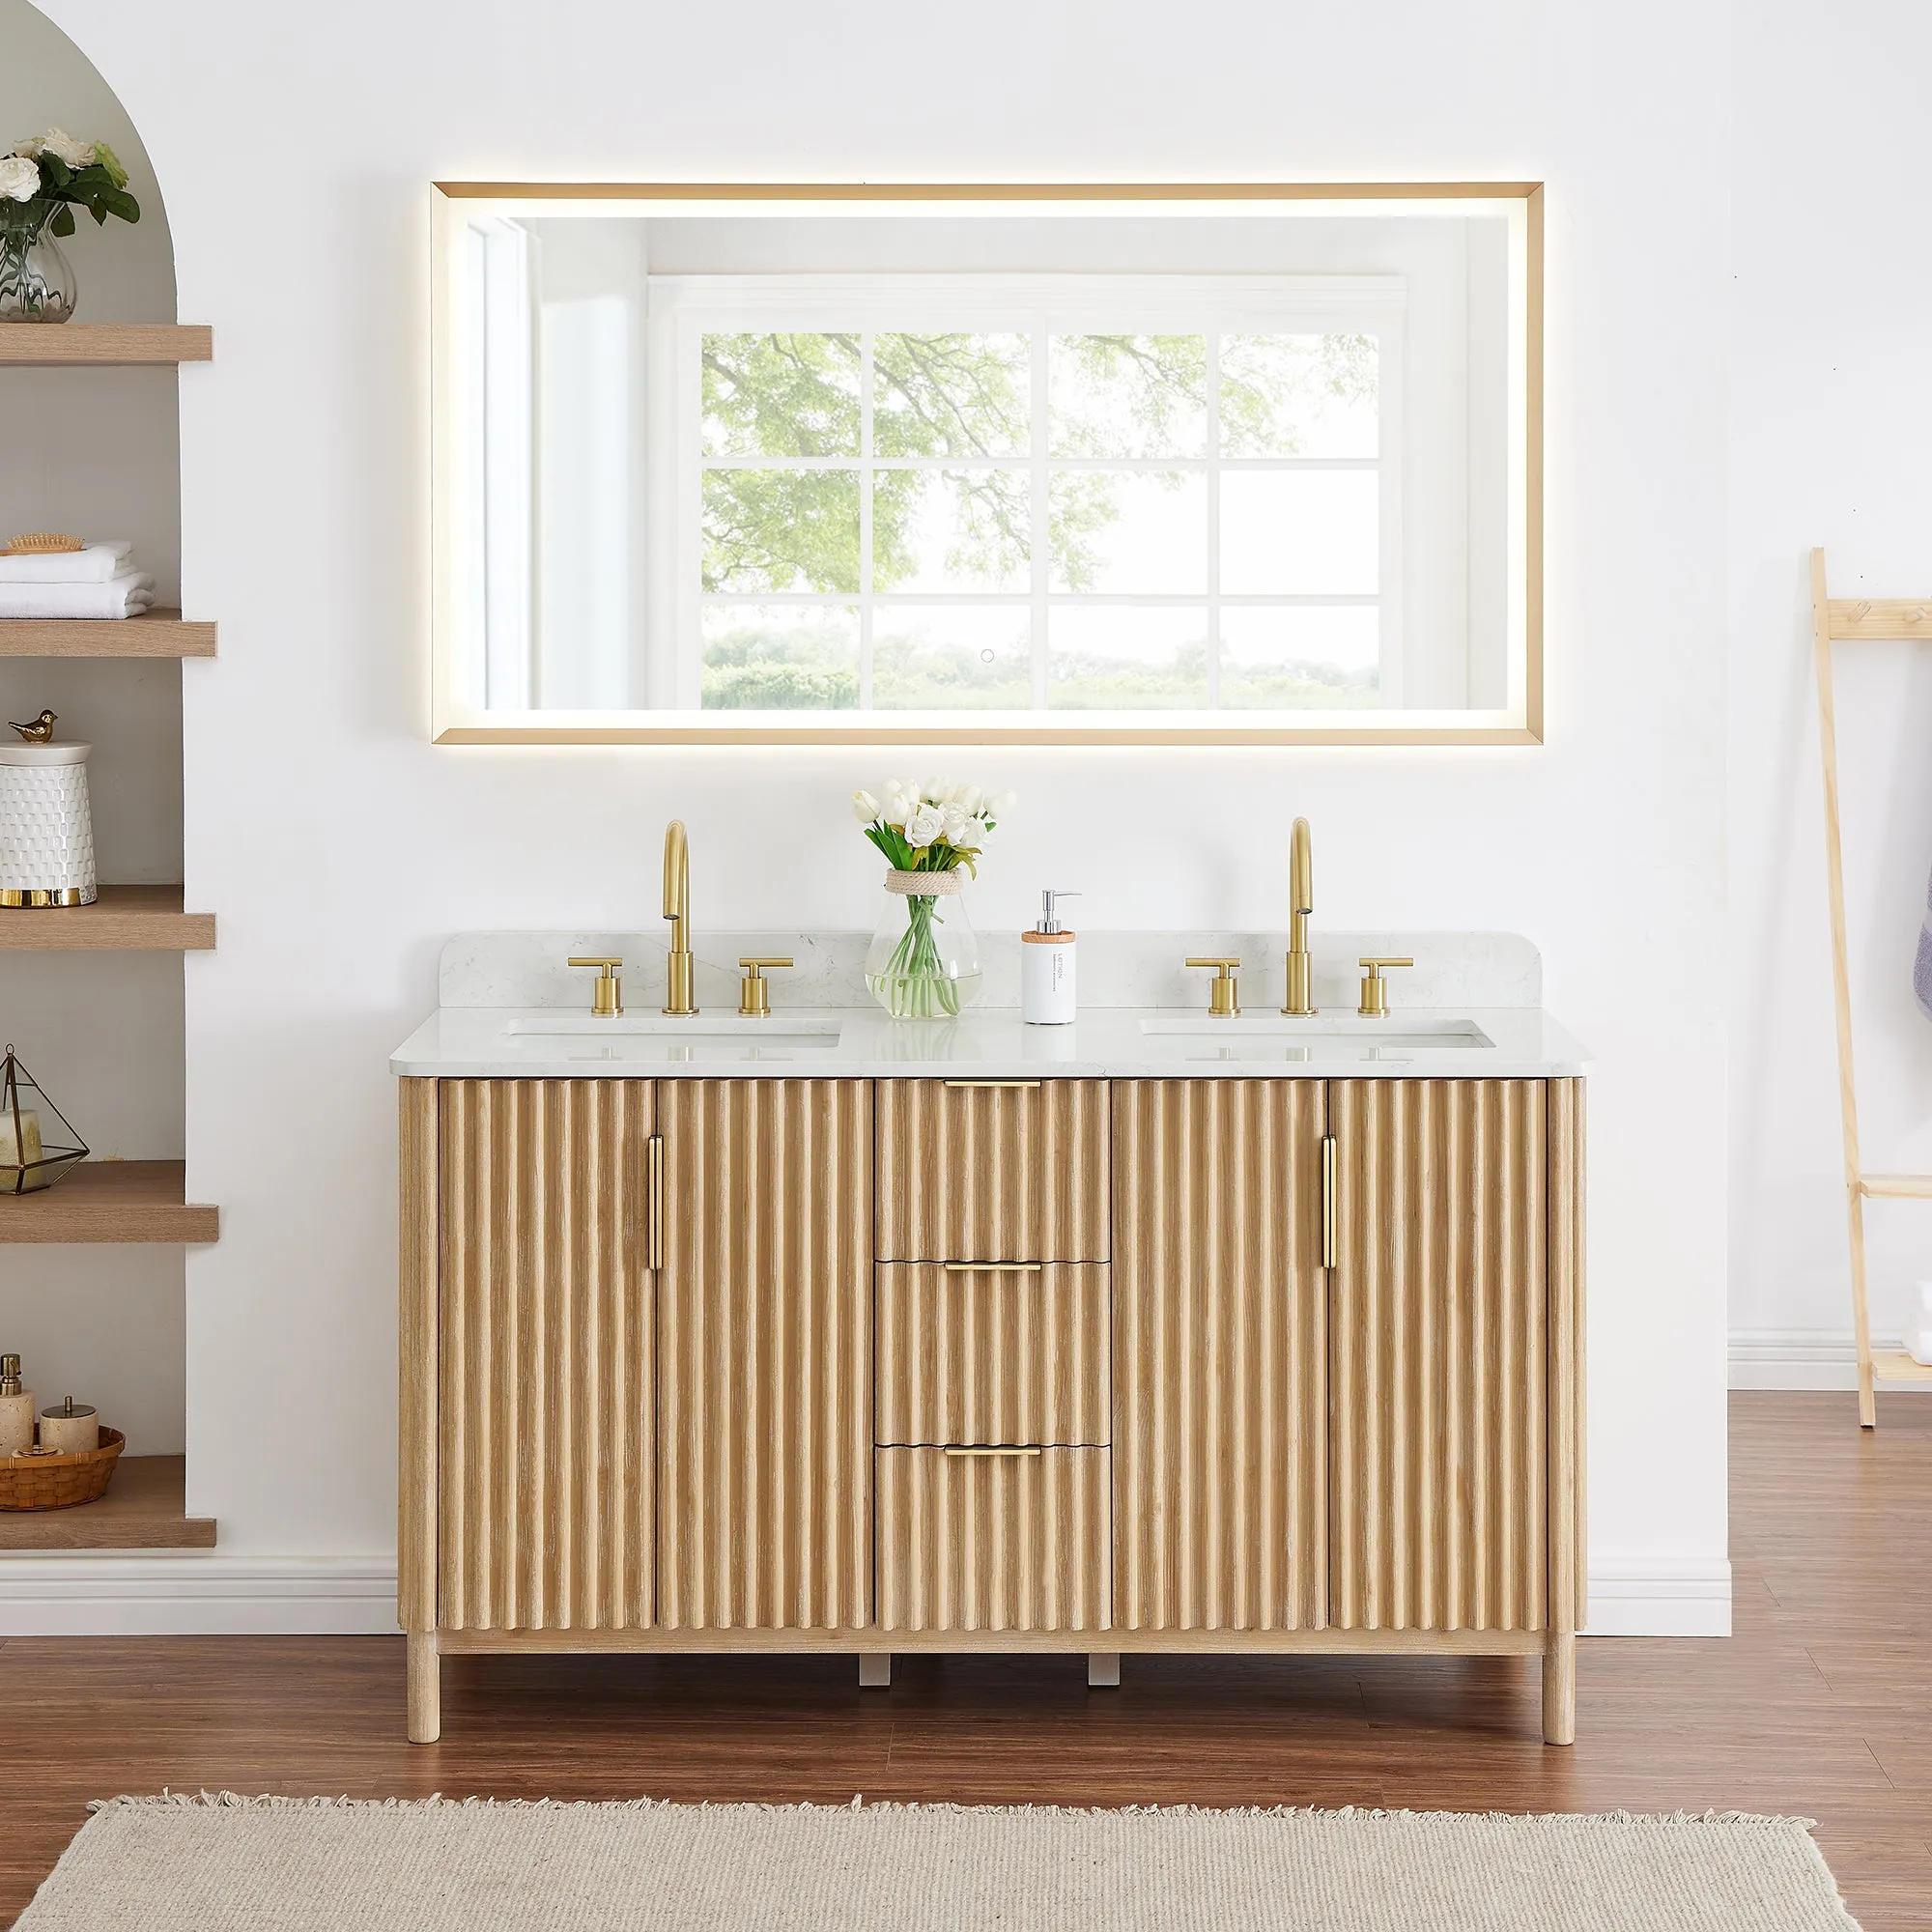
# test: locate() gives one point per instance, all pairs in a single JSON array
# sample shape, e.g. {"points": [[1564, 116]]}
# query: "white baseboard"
{"points": [[173, 1595], [1660, 1596], [1799, 1358], [170, 1595]]}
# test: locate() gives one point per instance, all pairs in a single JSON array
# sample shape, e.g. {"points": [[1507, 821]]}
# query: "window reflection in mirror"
{"points": [[1007, 472]]}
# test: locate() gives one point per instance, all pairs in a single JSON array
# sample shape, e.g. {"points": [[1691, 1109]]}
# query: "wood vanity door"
{"points": [[1438, 1359], [1220, 1306], [765, 1352], [546, 1475]]}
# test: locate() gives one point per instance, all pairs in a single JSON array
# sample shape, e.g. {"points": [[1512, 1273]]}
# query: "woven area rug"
{"points": [[220, 1863]]}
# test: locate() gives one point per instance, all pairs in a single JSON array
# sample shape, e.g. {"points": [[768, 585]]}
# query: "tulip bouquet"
{"points": [[923, 964]]}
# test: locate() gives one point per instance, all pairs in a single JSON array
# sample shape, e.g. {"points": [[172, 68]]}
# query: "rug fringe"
{"points": [[234, 1800]]}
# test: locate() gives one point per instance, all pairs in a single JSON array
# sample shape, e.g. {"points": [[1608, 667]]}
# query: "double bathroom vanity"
{"points": [[1167, 1330]]}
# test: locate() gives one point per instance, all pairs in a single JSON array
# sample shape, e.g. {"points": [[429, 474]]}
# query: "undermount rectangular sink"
{"points": [[1346, 1031], [700, 1029]]}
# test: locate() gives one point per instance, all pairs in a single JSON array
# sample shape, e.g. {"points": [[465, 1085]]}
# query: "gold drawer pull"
{"points": [[992, 1268], [950, 1449], [993, 1082]]}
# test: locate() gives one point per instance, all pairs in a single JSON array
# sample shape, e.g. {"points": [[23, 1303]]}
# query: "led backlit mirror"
{"points": [[1165, 466]]}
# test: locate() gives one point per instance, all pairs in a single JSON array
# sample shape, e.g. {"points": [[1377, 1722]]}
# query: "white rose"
{"points": [[923, 827], [63, 146], [19, 178], [1000, 804], [962, 828], [865, 808]]}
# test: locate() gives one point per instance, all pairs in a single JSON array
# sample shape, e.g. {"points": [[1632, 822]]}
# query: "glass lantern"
{"points": [[36, 1146]]}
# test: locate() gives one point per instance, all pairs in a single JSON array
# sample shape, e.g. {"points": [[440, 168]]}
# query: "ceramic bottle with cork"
{"points": [[16, 1408], [1046, 967]]}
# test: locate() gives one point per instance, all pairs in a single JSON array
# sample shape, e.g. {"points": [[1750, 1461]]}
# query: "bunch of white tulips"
{"points": [[933, 827]]}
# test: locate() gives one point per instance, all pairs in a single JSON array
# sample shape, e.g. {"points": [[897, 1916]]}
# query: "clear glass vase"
{"points": [[923, 961], [37, 280]]}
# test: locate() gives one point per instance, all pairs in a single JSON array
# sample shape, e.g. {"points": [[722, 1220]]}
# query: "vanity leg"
{"points": [[1103, 1670], [876, 1670], [425, 1671], [1559, 1687]]}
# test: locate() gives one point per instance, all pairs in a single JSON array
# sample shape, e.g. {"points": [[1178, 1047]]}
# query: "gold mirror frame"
{"points": [[452, 723]]}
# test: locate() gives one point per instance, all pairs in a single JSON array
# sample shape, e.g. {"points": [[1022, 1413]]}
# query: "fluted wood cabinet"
{"points": [[765, 1356], [1219, 1364]]}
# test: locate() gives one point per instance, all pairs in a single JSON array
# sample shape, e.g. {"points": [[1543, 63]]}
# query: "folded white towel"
{"points": [[95, 564], [124, 596]]}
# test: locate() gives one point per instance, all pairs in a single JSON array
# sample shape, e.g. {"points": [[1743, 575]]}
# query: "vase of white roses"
{"points": [[923, 961], [42, 183]]}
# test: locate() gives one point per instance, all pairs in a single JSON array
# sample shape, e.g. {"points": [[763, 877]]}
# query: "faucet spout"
{"points": [[678, 998], [1301, 994]]}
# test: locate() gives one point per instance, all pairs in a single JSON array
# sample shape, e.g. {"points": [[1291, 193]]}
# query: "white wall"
{"points": [[1832, 402], [339, 847]]}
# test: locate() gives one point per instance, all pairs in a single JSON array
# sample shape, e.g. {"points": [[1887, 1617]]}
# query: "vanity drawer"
{"points": [[994, 1538], [1000, 1352], [992, 1171]]}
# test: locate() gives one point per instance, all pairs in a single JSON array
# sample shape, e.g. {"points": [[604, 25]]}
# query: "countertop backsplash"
{"points": [[1115, 969]]}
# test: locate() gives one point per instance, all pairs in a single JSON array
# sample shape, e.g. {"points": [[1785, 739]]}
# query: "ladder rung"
{"points": [[1898, 1186], [1894, 1365]]}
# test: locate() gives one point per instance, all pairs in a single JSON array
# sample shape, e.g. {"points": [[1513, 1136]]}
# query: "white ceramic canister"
{"points": [[46, 831]]}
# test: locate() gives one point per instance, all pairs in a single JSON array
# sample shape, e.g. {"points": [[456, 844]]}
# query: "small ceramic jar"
{"points": [[46, 830], [71, 1429]]}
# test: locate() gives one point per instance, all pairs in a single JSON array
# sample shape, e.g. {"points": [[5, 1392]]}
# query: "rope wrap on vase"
{"points": [[926, 885]]}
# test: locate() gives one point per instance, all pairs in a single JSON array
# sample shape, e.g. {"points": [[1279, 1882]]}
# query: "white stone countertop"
{"points": [[989, 1044]]}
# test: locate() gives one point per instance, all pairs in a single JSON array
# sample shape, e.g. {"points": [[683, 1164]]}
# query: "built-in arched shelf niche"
{"points": [[91, 1275]]}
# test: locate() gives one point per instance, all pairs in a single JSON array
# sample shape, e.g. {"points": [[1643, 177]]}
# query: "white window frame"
{"points": [[685, 309]]}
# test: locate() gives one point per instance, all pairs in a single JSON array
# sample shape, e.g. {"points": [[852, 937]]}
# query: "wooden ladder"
{"points": [[1844, 620]]}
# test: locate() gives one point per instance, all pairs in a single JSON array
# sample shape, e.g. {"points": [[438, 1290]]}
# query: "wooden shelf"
{"points": [[144, 1509], [71, 345], [124, 919], [110, 1201], [1894, 1365], [154, 634]]}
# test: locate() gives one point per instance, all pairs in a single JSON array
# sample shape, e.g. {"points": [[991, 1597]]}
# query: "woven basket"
{"points": [[59, 1482]]}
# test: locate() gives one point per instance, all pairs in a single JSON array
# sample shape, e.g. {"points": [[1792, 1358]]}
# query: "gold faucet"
{"points": [[677, 909], [1301, 997]]}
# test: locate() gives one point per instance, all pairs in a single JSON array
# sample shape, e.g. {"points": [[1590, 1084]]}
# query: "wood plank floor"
{"points": [[1818, 1706]]}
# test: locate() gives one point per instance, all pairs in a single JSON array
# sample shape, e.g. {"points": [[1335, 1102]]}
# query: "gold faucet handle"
{"points": [[1224, 1000], [606, 993], [1374, 988], [754, 1003]]}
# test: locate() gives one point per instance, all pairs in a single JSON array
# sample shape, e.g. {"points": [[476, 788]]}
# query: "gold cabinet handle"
{"points": [[1327, 1201], [992, 1083], [952, 1450], [654, 1178], [992, 1268]]}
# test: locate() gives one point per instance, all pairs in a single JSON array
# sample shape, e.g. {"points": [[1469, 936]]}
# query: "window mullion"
{"points": [[1214, 375], [866, 519], [1041, 518]]}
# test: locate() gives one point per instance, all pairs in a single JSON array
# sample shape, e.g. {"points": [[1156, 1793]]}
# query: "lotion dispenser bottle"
{"points": [[16, 1408], [1046, 968]]}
